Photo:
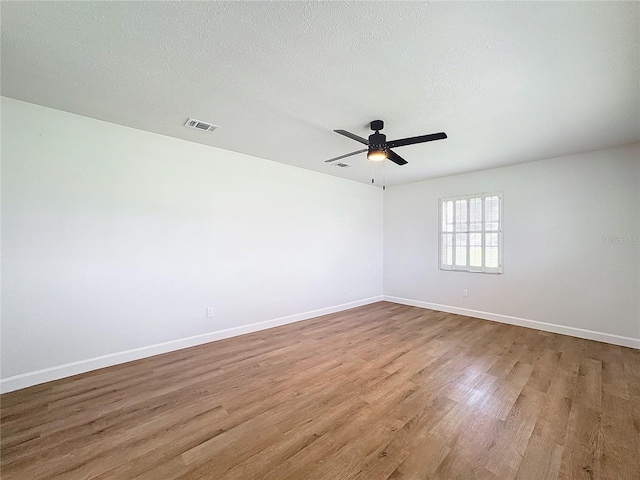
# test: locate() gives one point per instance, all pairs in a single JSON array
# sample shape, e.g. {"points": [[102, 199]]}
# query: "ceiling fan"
{"points": [[378, 149]]}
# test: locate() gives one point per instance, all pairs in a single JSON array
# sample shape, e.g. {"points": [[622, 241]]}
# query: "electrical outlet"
{"points": [[209, 312], [346, 289], [465, 293]]}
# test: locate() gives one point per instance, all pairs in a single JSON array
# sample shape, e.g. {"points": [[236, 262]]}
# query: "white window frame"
{"points": [[468, 232]]}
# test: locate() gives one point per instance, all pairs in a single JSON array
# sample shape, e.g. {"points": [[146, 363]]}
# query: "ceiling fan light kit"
{"points": [[376, 154], [378, 149]]}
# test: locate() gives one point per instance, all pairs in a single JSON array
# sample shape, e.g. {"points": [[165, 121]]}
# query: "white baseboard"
{"points": [[24, 380], [522, 322]]}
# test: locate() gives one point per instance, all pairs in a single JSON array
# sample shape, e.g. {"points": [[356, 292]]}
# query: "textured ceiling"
{"points": [[508, 82]]}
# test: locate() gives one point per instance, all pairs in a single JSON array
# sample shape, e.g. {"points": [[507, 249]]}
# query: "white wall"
{"points": [[115, 239], [557, 268]]}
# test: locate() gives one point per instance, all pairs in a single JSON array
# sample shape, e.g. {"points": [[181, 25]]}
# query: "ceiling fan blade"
{"points": [[395, 158], [353, 136], [421, 139], [345, 156]]}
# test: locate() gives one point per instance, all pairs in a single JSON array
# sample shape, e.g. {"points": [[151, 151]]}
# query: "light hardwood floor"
{"points": [[379, 392]]}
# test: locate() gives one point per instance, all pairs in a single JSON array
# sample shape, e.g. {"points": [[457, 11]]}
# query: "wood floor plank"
{"points": [[422, 460], [582, 456], [541, 460], [379, 392]]}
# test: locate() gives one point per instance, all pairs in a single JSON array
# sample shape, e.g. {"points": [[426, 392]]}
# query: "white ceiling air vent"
{"points": [[341, 165], [207, 127]]}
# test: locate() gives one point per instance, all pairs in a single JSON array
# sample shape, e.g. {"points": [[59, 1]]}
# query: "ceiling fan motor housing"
{"points": [[377, 141]]}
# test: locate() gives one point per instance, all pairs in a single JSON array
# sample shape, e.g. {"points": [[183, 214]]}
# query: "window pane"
{"points": [[447, 216], [461, 249], [475, 249], [461, 216], [491, 250], [492, 213], [447, 249], [475, 214]]}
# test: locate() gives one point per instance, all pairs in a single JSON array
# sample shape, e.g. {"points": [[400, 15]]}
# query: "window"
{"points": [[471, 233]]}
